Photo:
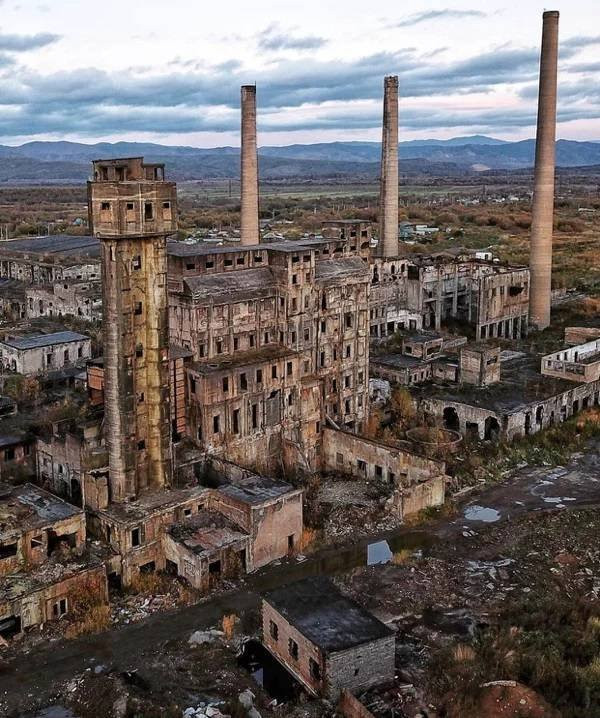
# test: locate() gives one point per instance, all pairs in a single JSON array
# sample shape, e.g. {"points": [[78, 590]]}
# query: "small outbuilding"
{"points": [[326, 640]]}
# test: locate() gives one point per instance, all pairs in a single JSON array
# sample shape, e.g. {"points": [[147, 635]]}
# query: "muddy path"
{"points": [[34, 678]]}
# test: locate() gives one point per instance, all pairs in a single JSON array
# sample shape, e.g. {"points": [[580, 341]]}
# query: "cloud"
{"points": [[293, 94], [274, 37], [22, 43], [428, 15], [578, 42]]}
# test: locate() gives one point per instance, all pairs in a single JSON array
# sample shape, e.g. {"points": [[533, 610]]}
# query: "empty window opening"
{"points": [[315, 669], [148, 211], [293, 649], [273, 630], [216, 424], [8, 550], [149, 567], [135, 537], [60, 608]]}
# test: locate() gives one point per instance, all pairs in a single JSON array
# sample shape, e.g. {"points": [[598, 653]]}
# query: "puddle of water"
{"points": [[558, 500], [55, 712], [379, 552], [268, 672], [481, 513]]}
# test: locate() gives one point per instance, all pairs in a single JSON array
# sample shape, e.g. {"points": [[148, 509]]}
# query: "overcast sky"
{"points": [[169, 71]]}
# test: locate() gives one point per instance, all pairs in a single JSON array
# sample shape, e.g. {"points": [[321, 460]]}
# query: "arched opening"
{"points": [[451, 420], [492, 429], [539, 414], [528, 423]]}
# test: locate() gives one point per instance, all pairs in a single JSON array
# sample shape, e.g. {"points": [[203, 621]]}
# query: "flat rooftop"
{"points": [[521, 385], [256, 490], [238, 284], [206, 531], [325, 616], [260, 355], [36, 341], [342, 268], [153, 503], [27, 507], [398, 361], [54, 245], [22, 583]]}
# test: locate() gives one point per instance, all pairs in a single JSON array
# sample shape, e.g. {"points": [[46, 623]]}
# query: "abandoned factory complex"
{"points": [[228, 373]]}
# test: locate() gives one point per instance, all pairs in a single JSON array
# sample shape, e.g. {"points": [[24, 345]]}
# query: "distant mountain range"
{"points": [[69, 161]]}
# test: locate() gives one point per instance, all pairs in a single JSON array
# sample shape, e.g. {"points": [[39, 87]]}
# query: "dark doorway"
{"points": [[492, 429], [451, 420]]}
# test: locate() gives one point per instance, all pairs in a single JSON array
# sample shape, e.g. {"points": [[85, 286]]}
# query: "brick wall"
{"points": [[351, 707]]}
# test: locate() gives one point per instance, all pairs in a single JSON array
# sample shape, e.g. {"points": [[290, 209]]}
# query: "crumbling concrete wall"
{"points": [[43, 605], [346, 453]]}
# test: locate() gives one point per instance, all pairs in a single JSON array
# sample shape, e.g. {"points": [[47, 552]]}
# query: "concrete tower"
{"points": [[133, 210], [543, 192], [388, 201], [249, 168]]}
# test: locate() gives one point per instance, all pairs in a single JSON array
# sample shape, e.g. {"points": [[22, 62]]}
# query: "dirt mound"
{"points": [[506, 699]]}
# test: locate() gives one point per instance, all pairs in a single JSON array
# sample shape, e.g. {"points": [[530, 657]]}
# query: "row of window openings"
{"points": [[220, 344], [235, 421], [294, 651], [148, 209], [66, 356], [362, 467]]}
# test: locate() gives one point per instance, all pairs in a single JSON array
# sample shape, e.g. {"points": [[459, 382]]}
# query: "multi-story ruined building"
{"points": [[279, 337], [427, 291], [133, 210]]}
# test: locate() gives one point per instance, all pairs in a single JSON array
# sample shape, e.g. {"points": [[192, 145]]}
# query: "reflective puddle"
{"points": [[379, 552], [481, 513]]}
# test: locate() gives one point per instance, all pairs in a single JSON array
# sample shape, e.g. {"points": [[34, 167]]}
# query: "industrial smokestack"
{"points": [[249, 168], [543, 191], [388, 202]]}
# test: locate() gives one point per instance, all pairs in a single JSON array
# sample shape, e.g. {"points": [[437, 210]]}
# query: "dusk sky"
{"points": [[170, 71]]}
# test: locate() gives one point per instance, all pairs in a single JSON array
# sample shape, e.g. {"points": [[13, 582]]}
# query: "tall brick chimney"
{"points": [[388, 202], [249, 168], [543, 192]]}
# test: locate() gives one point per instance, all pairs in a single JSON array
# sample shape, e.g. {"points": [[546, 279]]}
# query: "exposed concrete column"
{"points": [[249, 168], [543, 193], [388, 200]]}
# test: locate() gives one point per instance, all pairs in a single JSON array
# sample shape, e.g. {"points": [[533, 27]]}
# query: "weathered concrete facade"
{"points": [[279, 337], [38, 353], [67, 298], [577, 363], [132, 211], [37, 527]]}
